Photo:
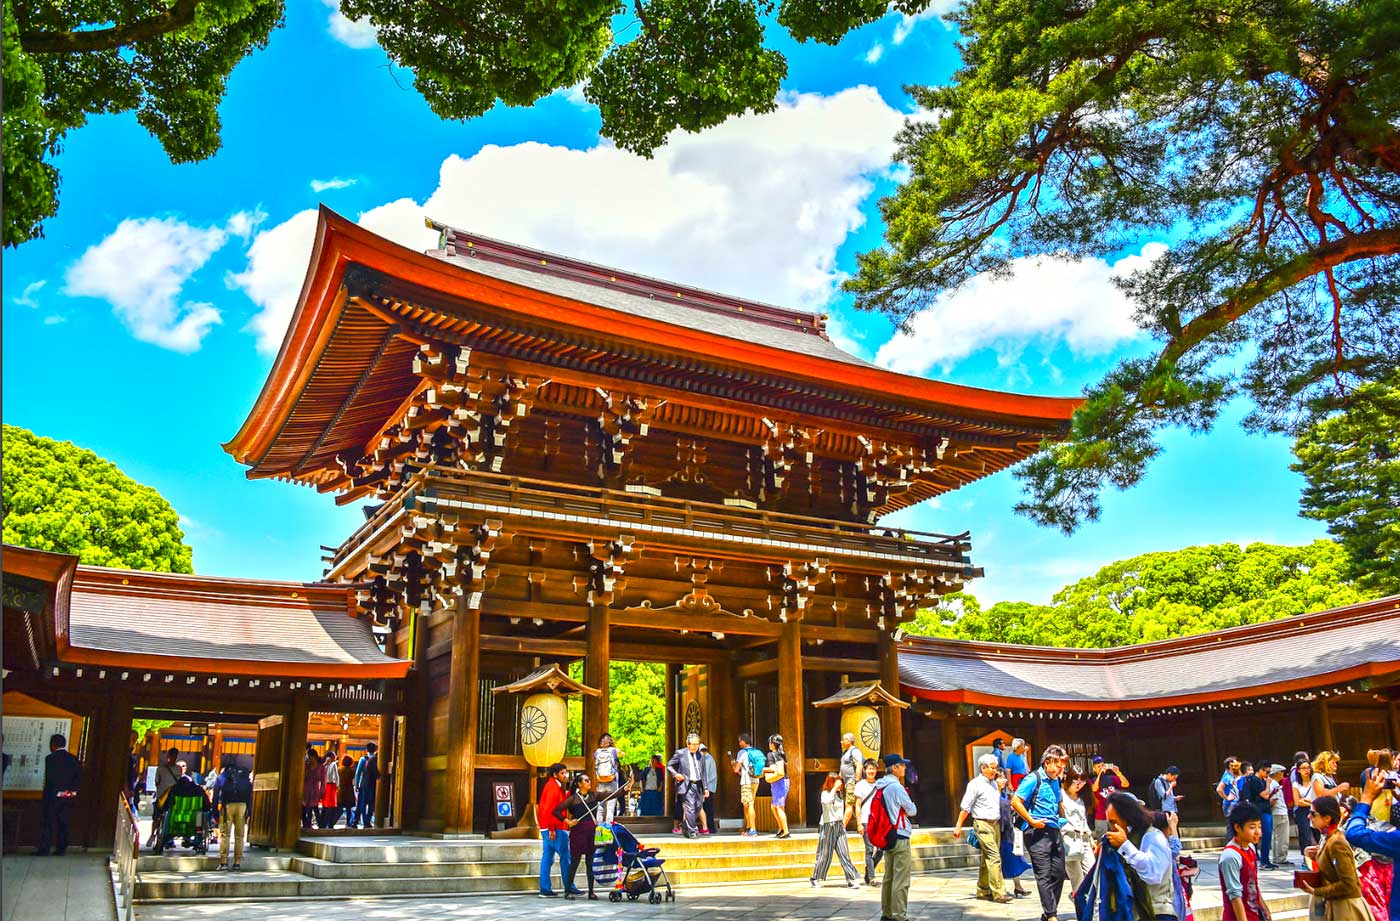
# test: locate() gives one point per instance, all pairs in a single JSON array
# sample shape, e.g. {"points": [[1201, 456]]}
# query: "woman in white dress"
{"points": [[1078, 831]]}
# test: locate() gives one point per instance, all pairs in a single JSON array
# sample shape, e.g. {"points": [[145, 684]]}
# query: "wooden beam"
{"points": [[792, 707], [661, 619], [891, 718], [756, 669], [293, 771], [840, 634], [461, 718], [534, 610], [852, 666], [952, 763], [595, 674], [536, 645]]}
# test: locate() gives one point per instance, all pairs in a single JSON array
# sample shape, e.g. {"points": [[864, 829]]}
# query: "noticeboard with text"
{"points": [[27, 744]]}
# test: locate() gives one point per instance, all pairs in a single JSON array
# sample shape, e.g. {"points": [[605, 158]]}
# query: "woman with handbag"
{"points": [[1338, 887], [775, 774], [1078, 835]]}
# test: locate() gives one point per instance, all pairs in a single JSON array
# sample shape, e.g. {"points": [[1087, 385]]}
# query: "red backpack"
{"points": [[880, 829]]}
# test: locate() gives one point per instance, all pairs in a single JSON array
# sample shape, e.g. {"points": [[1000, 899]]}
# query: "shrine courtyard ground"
{"points": [[66, 889]]}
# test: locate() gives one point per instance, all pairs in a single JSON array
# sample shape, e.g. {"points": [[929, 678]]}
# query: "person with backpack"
{"points": [[1037, 802], [1164, 795], [865, 794], [607, 768], [366, 779], [233, 795], [748, 764], [889, 830]]}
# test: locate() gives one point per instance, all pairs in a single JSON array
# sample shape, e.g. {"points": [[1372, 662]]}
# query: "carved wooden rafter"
{"points": [[796, 582], [606, 561], [887, 469], [784, 447], [624, 418], [897, 596]]}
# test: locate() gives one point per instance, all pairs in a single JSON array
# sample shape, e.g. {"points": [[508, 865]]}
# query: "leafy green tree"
{"points": [[636, 710], [63, 498], [1351, 460], [1262, 135], [1156, 596]]}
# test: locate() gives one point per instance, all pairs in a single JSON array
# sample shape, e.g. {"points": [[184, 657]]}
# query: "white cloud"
{"points": [[935, 10], [26, 297], [355, 33], [1043, 300], [320, 185], [876, 52], [277, 261], [574, 95], [54, 320], [243, 223], [140, 269], [755, 207]]}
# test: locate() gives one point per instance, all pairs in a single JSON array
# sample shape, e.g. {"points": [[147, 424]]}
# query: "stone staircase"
{"points": [[405, 865]]}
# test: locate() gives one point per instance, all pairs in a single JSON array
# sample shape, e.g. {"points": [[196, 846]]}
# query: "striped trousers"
{"points": [[833, 841]]}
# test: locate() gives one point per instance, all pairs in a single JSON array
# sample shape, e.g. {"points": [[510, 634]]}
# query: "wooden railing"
{"points": [[125, 849], [622, 507]]}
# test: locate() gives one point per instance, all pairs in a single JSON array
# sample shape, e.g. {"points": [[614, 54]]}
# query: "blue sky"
{"points": [[143, 324]]}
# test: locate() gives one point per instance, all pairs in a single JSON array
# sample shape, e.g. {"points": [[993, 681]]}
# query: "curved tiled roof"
{"points": [[1294, 653], [153, 620]]}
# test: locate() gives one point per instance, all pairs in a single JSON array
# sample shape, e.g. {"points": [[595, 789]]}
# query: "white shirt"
{"points": [[332, 773], [833, 806], [865, 795], [982, 799], [1154, 859], [1076, 819]]}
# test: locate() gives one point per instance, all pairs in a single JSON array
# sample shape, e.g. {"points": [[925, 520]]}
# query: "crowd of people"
{"points": [[1130, 852]]}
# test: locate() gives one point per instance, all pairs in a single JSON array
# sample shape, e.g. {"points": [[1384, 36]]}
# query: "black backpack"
{"points": [[238, 786]]}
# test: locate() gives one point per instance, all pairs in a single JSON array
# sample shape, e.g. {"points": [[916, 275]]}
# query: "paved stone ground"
{"points": [[943, 896], [74, 887]]}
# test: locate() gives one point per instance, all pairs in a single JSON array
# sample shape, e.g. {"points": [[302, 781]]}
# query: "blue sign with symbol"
{"points": [[503, 810]]}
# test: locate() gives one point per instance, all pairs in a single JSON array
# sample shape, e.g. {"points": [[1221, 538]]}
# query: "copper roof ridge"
{"points": [[593, 273], [1113, 655], [104, 577]]}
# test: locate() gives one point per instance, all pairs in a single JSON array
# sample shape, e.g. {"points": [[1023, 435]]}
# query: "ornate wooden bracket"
{"points": [[888, 469], [784, 447], [796, 582], [898, 595], [698, 600], [606, 561], [624, 417]]}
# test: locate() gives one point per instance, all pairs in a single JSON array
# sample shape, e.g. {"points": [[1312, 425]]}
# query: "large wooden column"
{"points": [[1322, 728], [1394, 724], [462, 707], [114, 754], [952, 763], [723, 734], [792, 707], [293, 771], [673, 730], [595, 674], [384, 804], [891, 718], [416, 723]]}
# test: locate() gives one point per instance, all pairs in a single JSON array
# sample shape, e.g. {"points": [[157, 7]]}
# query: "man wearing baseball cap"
{"points": [[894, 891]]}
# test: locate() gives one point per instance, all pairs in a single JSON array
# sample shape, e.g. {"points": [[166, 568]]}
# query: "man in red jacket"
{"points": [[554, 834]]}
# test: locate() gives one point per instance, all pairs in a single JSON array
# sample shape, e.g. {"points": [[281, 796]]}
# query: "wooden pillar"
{"points": [[1322, 728], [724, 734], [792, 707], [595, 674], [952, 763], [1394, 725], [673, 675], [416, 728], [114, 755], [1040, 738], [293, 770], [385, 806], [462, 706], [891, 718]]}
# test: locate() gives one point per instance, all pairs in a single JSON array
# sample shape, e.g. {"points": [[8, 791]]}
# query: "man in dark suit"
{"points": [[62, 774], [688, 770]]}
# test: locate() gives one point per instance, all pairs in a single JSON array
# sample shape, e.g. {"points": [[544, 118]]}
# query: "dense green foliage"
{"points": [[1351, 460], [679, 64], [1159, 595], [143, 726], [63, 498], [636, 711], [1262, 135], [167, 63]]}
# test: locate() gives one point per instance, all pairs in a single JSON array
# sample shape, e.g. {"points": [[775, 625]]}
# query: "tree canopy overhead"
{"points": [[687, 64], [1351, 460], [1263, 136], [1156, 596], [65, 499]]}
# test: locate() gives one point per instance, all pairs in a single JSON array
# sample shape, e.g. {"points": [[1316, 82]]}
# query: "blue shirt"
{"points": [[1385, 843], [1016, 764], [1045, 805]]}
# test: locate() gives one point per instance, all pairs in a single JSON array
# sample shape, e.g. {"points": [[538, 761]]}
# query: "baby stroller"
{"points": [[186, 817], [632, 870]]}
